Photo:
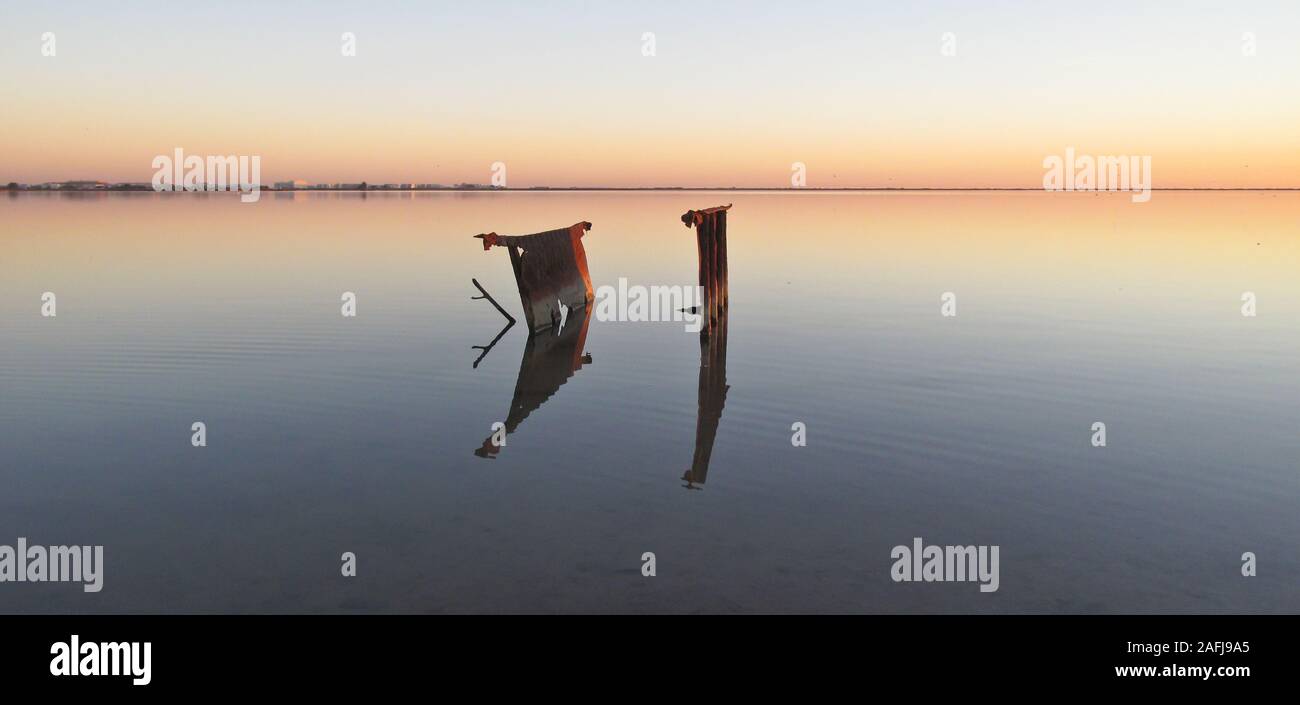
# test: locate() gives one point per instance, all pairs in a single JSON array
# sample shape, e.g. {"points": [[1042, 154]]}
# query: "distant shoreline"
{"points": [[544, 189]]}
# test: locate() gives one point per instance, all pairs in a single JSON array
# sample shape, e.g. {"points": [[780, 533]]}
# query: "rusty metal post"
{"points": [[705, 229], [721, 236], [703, 269], [711, 246]]}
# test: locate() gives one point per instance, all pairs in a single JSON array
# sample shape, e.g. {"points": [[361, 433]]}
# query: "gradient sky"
{"points": [[561, 93]]}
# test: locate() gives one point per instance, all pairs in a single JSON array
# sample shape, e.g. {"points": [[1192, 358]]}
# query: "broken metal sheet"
{"points": [[550, 269]]}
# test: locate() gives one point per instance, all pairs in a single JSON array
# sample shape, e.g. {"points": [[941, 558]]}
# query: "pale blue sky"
{"points": [[561, 90]]}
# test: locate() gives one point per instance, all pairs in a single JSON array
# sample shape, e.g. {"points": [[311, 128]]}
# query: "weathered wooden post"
{"points": [[711, 245], [550, 269]]}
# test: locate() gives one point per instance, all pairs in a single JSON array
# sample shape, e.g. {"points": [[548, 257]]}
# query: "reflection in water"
{"points": [[488, 348], [551, 357], [1128, 313], [712, 397]]}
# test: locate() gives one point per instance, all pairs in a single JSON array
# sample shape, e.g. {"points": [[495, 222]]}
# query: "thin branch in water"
{"points": [[491, 301]]}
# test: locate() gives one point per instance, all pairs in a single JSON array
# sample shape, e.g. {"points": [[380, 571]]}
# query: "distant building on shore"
{"points": [[70, 186], [294, 185]]}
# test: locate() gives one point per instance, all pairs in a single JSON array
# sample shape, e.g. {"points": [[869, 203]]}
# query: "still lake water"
{"points": [[329, 434]]}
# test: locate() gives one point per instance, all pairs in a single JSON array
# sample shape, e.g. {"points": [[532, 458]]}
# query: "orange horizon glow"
{"points": [[861, 96]]}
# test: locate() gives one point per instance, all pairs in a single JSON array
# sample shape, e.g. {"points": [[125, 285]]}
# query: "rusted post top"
{"points": [[690, 218], [490, 239]]}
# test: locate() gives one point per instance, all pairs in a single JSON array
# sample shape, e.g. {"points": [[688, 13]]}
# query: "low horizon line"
{"points": [[378, 186]]}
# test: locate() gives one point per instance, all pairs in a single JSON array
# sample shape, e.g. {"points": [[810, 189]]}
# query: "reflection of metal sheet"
{"points": [[550, 269], [712, 398], [550, 359]]}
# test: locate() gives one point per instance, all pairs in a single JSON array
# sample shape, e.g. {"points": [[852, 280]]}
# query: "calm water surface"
{"points": [[329, 434]]}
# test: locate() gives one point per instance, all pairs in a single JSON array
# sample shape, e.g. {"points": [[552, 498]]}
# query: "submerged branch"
{"points": [[491, 301]]}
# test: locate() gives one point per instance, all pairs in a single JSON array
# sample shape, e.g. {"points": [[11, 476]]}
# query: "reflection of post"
{"points": [[711, 246], [550, 359], [712, 398]]}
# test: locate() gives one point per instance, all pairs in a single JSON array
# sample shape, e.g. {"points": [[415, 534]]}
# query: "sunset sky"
{"points": [[735, 93]]}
